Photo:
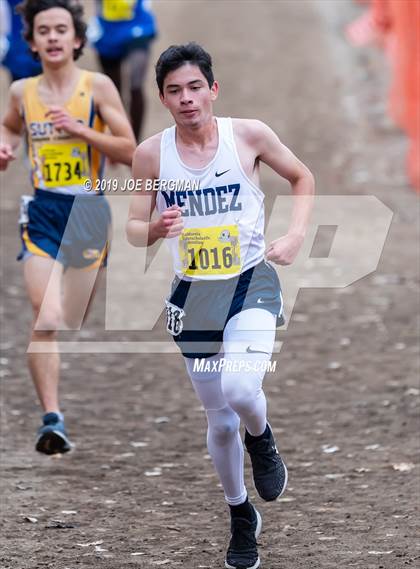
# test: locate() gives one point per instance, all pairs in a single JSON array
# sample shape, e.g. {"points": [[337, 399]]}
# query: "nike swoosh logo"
{"points": [[260, 301], [251, 351], [221, 173]]}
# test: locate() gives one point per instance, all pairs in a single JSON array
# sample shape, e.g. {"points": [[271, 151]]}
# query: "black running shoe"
{"points": [[268, 468], [52, 436], [242, 552]]}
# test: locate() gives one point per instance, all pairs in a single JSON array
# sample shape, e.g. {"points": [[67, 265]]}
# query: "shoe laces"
{"points": [[264, 452]]}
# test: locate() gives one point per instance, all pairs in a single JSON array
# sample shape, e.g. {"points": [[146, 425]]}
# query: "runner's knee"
{"points": [[223, 425], [47, 319], [73, 321]]}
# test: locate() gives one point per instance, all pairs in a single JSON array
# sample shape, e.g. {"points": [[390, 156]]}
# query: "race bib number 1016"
{"points": [[210, 250]]}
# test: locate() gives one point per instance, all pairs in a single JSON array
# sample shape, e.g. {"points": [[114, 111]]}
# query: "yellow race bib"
{"points": [[118, 10], [210, 250], [64, 164]]}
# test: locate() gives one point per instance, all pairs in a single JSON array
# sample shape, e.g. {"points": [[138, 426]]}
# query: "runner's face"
{"points": [[54, 36], [188, 97]]}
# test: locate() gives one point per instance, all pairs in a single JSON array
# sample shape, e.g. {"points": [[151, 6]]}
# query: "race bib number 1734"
{"points": [[64, 164]]}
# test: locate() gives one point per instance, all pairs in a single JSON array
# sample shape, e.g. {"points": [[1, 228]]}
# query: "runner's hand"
{"points": [[6, 155], [283, 251], [170, 223], [62, 120]]}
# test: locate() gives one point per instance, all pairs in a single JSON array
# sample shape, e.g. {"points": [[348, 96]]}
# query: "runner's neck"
{"points": [[200, 137], [56, 80]]}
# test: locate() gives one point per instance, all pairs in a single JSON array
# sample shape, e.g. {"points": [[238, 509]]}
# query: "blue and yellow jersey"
{"points": [[17, 57], [60, 162], [120, 26]]}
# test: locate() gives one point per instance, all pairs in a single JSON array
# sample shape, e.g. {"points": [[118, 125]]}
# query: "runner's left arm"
{"points": [[281, 159], [119, 144]]}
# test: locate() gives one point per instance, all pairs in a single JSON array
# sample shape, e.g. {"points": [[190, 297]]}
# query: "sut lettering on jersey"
{"points": [[44, 130], [208, 201]]}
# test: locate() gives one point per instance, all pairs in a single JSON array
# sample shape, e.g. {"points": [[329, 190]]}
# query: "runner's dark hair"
{"points": [[178, 55], [30, 8]]}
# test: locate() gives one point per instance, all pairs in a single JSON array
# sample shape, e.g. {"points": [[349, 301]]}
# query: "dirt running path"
{"points": [[346, 375]]}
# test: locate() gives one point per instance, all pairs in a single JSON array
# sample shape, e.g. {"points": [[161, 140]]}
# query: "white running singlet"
{"points": [[223, 210]]}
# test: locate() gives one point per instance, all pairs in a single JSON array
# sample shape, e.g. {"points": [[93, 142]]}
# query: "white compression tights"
{"points": [[229, 395]]}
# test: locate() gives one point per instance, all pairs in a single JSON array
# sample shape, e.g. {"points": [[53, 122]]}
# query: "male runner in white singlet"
{"points": [[226, 299]]}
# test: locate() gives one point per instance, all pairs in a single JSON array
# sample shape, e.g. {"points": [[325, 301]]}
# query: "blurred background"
{"points": [[337, 80]]}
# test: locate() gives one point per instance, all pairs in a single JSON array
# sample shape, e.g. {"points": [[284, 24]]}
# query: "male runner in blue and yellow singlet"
{"points": [[64, 226]]}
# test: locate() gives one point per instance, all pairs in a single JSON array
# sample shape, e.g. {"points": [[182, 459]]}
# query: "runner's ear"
{"points": [[214, 89]]}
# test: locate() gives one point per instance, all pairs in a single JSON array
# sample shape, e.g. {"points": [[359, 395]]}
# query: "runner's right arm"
{"points": [[141, 230], [12, 125], [119, 145]]}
